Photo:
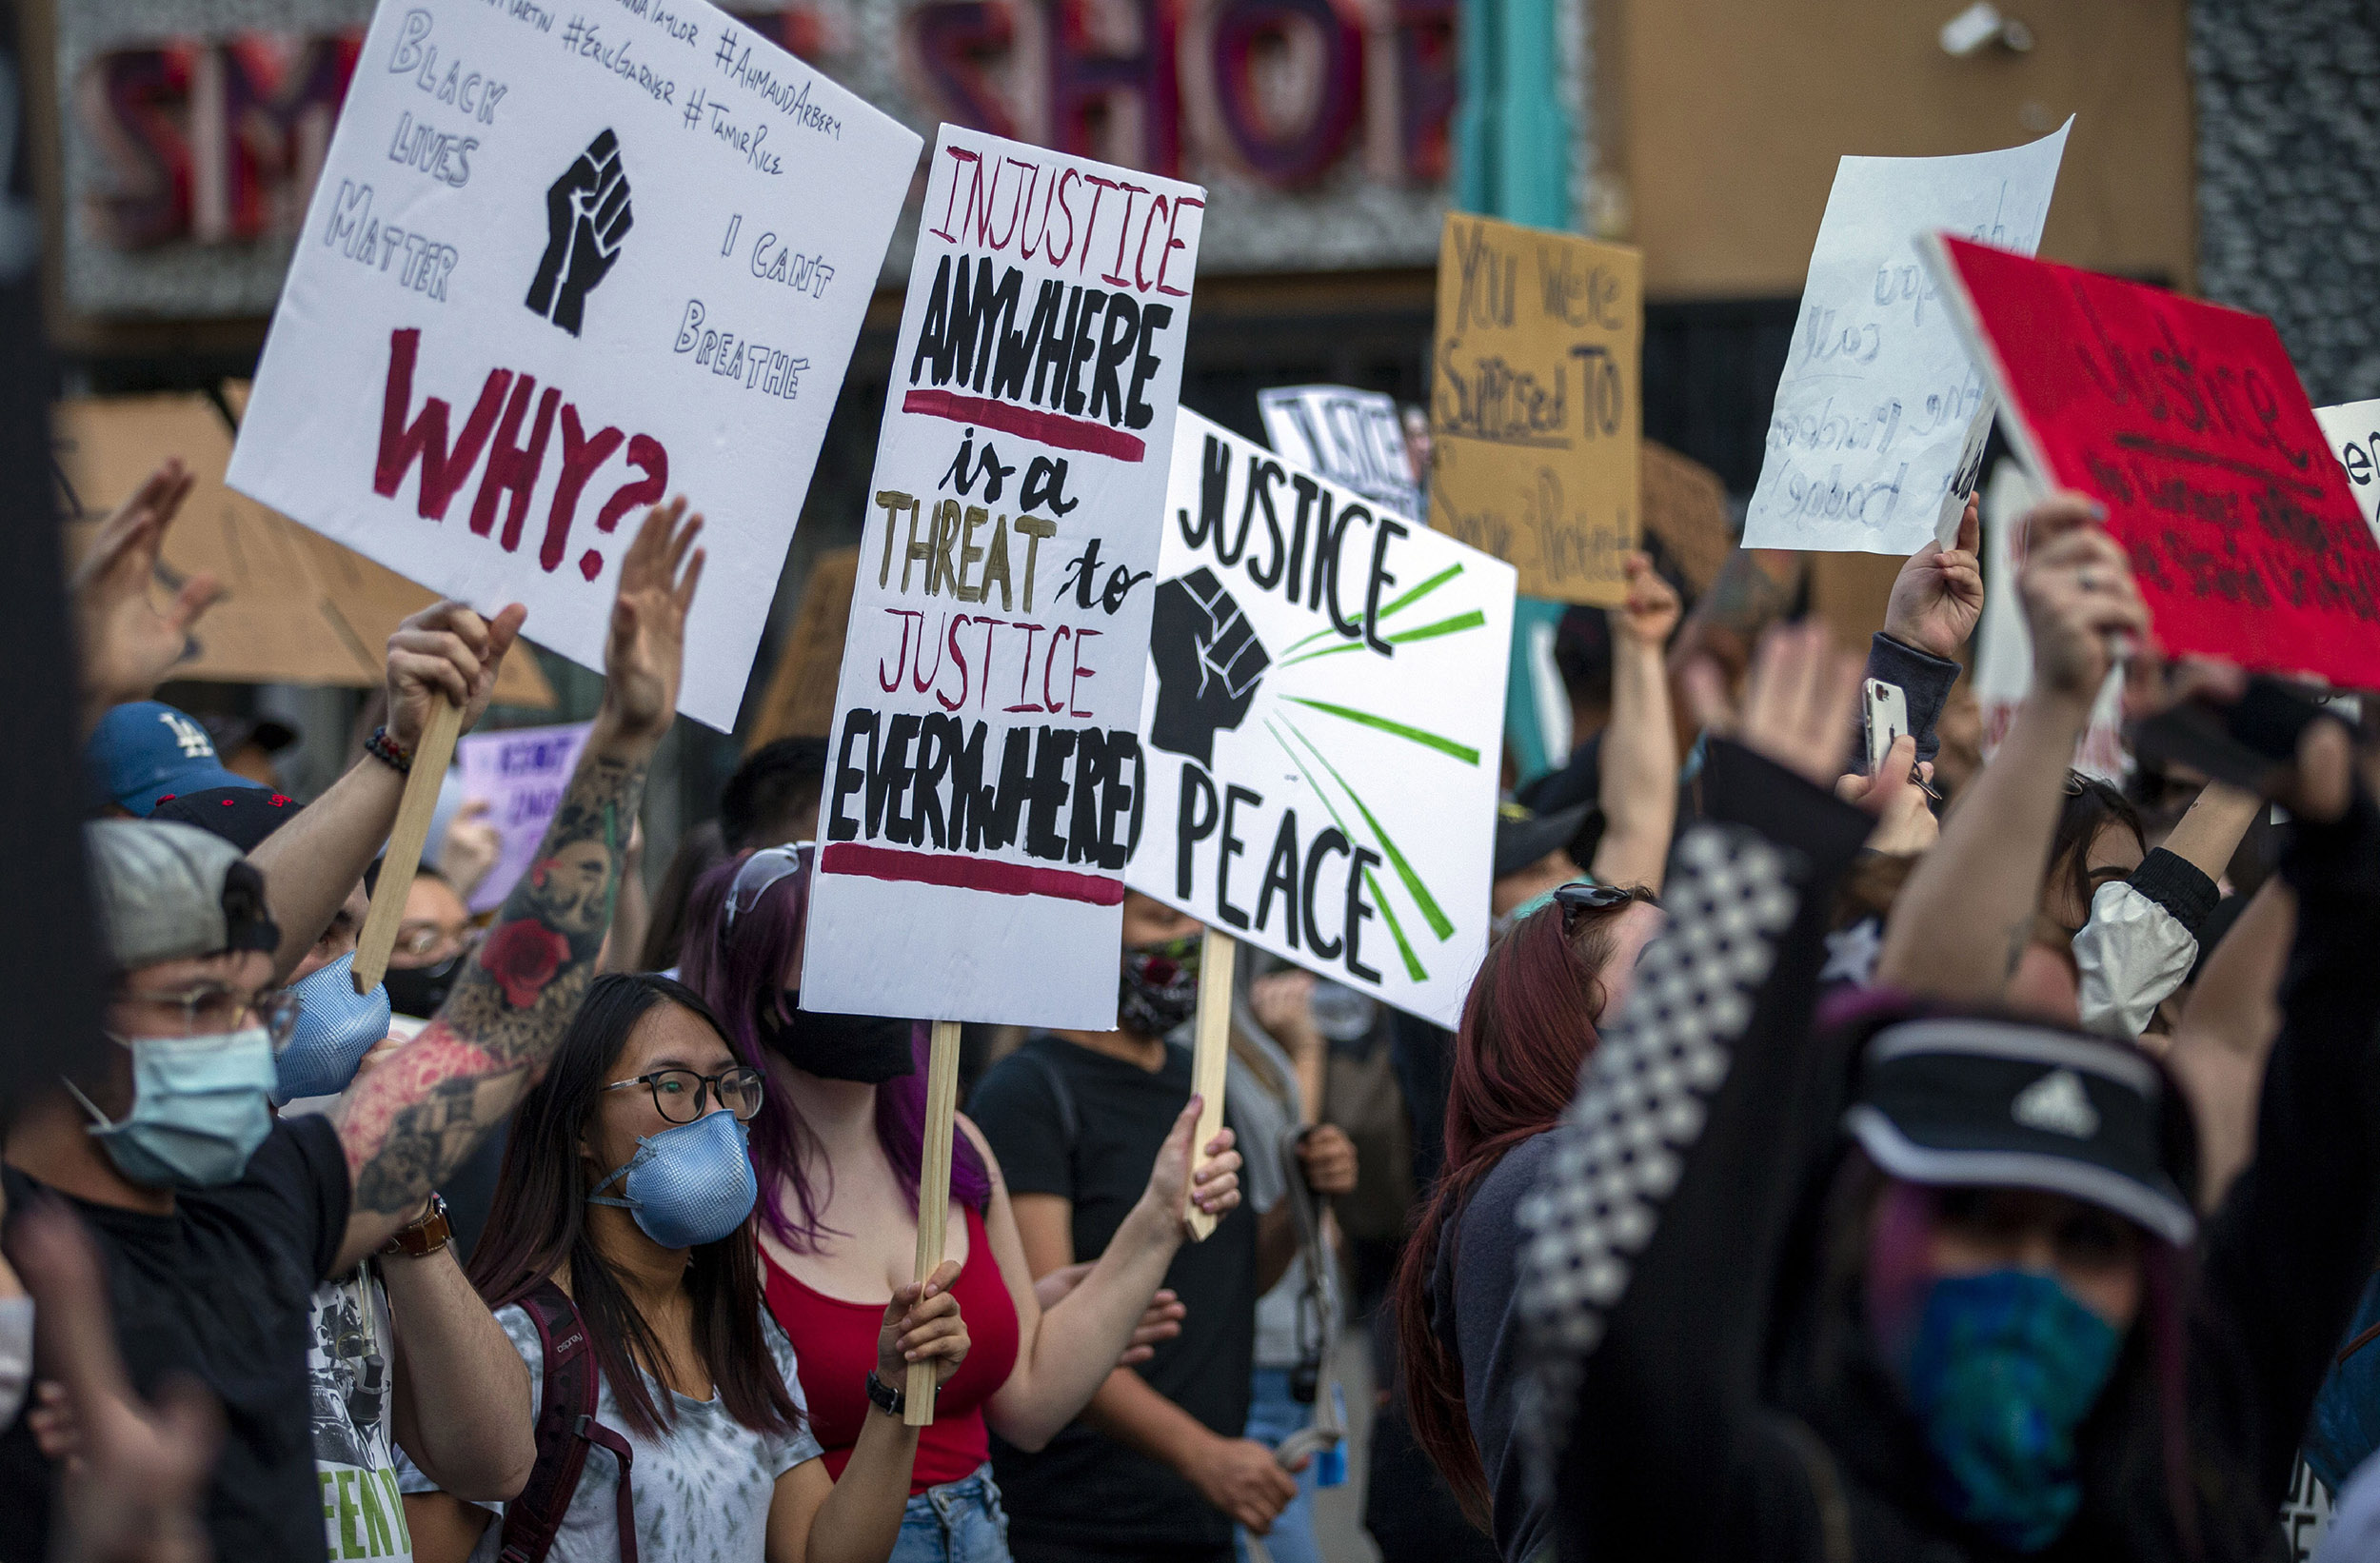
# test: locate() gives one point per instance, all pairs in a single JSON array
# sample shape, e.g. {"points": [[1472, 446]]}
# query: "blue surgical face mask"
{"points": [[2003, 1369], [690, 1184], [335, 1028], [201, 1105]]}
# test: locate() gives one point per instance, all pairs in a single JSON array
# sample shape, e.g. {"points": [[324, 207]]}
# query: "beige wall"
{"points": [[1721, 121]]}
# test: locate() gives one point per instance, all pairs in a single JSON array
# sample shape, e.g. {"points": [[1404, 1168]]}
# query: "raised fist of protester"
{"points": [[1327, 1157], [1797, 703], [2080, 601], [1282, 1003], [1904, 824], [1651, 612], [1215, 1187], [1241, 1478], [646, 652], [128, 641], [921, 1322], [1939, 595], [1159, 1321], [445, 652], [473, 844]]}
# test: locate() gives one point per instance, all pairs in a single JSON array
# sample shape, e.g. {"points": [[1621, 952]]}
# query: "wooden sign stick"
{"points": [[406, 840], [941, 1111], [1208, 1057]]}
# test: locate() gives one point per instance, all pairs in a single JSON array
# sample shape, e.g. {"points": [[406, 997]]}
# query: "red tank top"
{"points": [[834, 1347]]}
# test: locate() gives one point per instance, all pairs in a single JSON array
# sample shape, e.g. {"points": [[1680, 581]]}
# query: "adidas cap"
{"points": [[1999, 1104]]}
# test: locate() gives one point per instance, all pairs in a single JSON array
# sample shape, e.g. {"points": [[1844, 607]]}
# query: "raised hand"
{"points": [[644, 655], [1904, 824], [128, 641], [1652, 609], [445, 652], [2080, 601], [1939, 595], [588, 215], [1797, 701]]}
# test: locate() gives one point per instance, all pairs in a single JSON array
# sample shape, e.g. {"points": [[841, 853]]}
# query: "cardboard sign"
{"points": [[800, 699], [559, 267], [519, 774], [2187, 422], [2003, 669], [297, 608], [2353, 431], [1355, 438], [986, 776], [1323, 722], [1685, 512], [1878, 432], [1535, 407]]}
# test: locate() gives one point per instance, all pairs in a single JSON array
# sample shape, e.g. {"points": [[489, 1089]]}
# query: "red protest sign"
{"points": [[2186, 421]]}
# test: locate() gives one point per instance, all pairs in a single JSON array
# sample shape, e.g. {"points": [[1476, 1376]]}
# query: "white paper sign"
{"points": [[2353, 431], [1880, 420], [519, 774], [1355, 438], [1323, 721], [985, 778], [563, 263], [2004, 653]]}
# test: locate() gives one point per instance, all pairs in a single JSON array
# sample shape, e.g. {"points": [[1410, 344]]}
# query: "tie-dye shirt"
{"points": [[701, 1489]]}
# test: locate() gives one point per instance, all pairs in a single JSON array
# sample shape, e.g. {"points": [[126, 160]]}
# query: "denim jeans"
{"points": [[958, 1522], [1272, 1417]]}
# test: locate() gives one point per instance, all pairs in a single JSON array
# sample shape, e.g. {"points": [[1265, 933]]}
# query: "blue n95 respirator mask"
{"points": [[335, 1027], [689, 1186]]}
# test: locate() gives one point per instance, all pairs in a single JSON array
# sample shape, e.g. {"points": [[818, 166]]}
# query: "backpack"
{"points": [[565, 1428]]}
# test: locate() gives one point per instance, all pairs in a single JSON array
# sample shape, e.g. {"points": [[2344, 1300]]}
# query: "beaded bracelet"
{"points": [[384, 749]]}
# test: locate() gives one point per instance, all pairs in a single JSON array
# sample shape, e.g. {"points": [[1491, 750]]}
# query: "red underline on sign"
{"points": [[960, 873], [1049, 428]]}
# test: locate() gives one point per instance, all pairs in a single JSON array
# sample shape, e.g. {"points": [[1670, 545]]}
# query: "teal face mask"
{"points": [[2004, 1368], [201, 1105]]}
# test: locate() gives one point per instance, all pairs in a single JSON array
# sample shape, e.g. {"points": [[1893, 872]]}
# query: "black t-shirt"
{"points": [[1085, 1488], [217, 1290]]}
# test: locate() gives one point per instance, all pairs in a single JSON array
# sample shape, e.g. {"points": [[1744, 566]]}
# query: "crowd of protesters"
{"points": [[1928, 1158]]}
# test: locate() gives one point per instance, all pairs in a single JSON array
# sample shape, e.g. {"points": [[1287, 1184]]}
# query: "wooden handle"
{"points": [[430, 758], [941, 1111], [1208, 1057]]}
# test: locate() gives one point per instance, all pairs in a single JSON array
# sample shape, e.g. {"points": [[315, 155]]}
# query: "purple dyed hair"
{"points": [[738, 971]]}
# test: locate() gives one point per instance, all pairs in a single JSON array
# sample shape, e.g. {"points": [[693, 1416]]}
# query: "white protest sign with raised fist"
{"points": [[561, 264], [1322, 723], [1880, 421], [2353, 431], [985, 778]]}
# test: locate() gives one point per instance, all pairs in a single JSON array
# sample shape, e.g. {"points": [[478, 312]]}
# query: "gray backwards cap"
{"points": [[167, 892]]}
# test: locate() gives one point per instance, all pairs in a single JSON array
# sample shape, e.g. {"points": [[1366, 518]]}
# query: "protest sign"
{"points": [[800, 699], [1536, 403], [2353, 431], [2187, 421], [1355, 438], [1880, 421], [984, 781], [1323, 719], [519, 774], [559, 266], [2003, 669], [1685, 505]]}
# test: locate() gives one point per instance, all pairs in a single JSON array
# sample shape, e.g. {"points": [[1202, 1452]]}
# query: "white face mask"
{"points": [[16, 1354]]}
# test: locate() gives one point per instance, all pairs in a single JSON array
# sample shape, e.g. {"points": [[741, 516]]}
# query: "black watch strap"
{"points": [[892, 1402]]}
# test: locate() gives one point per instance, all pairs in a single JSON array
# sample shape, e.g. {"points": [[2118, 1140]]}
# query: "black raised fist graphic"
{"points": [[1208, 664], [588, 215]]}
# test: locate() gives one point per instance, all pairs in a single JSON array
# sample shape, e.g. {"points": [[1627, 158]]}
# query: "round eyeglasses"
{"points": [[212, 1010], [683, 1095]]}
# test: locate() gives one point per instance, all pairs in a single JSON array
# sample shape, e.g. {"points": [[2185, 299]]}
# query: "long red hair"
{"points": [[1527, 1027]]}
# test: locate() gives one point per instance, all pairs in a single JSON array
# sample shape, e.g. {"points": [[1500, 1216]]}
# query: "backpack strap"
{"points": [[565, 1428]]}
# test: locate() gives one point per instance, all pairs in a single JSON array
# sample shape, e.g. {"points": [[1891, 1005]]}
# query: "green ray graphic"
{"points": [[1414, 887], [1474, 620], [1431, 741], [1414, 968], [1388, 915], [1413, 596]]}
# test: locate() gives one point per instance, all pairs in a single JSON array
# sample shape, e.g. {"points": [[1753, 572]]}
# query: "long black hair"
{"points": [[2089, 807], [538, 1223]]}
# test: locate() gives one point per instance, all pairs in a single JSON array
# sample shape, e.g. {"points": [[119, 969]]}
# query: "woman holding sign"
{"points": [[837, 1143]]}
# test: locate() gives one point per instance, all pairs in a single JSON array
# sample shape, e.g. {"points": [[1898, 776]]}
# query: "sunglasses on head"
{"points": [[1576, 898]]}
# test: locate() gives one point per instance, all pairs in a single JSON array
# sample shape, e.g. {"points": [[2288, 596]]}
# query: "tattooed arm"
{"points": [[407, 1123]]}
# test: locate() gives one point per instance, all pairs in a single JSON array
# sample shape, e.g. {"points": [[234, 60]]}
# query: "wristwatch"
{"points": [[892, 1402], [426, 1236]]}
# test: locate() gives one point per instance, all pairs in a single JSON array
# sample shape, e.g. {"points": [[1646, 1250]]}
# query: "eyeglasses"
{"points": [[1576, 898], [423, 938], [763, 869], [209, 1009], [682, 1095]]}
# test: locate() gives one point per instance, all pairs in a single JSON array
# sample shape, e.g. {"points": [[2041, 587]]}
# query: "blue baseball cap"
{"points": [[147, 751]]}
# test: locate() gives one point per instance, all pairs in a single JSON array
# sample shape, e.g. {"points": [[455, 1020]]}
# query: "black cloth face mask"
{"points": [[870, 1049], [419, 991]]}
